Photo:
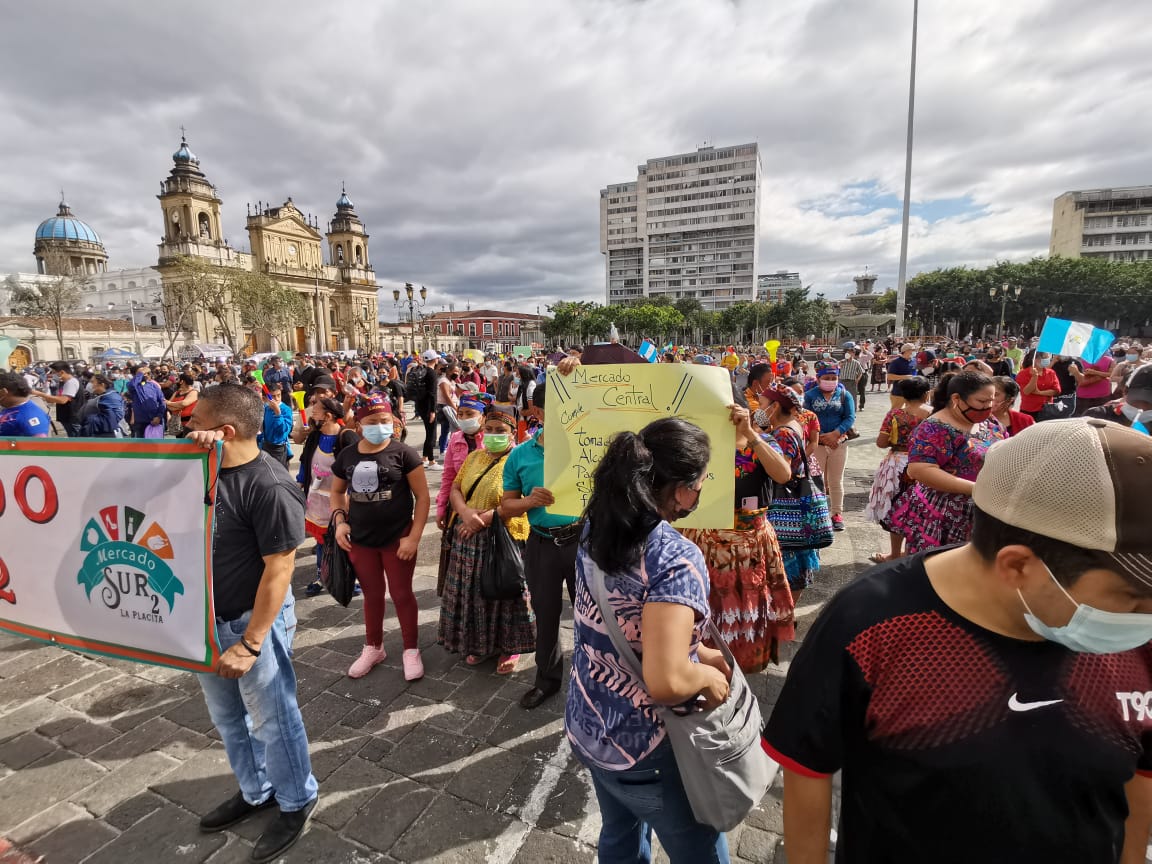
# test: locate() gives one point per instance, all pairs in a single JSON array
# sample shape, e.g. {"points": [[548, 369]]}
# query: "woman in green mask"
{"points": [[470, 624]]}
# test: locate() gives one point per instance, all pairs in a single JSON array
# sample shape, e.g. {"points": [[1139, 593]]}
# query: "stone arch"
{"points": [[359, 254], [339, 253], [205, 225]]}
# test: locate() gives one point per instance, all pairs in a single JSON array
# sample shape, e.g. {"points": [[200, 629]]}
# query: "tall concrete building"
{"points": [[771, 287], [1103, 223], [685, 228]]}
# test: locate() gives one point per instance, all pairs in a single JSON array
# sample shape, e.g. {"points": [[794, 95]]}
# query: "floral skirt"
{"points": [[879, 374], [469, 624], [801, 566], [750, 598], [887, 485], [929, 518]]}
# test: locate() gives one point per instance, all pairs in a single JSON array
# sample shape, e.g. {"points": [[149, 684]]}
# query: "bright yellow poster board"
{"points": [[586, 408]]}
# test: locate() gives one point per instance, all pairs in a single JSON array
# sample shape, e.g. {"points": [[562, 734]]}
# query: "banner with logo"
{"points": [[585, 409], [107, 547]]}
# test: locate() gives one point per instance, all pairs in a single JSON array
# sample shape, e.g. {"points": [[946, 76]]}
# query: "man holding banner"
{"points": [[252, 696]]}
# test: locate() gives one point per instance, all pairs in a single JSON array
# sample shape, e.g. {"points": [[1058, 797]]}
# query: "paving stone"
{"points": [[486, 776], [769, 815], [129, 778], [389, 813], [566, 807], [55, 728], [311, 682], [34, 715], [85, 737], [45, 821], [24, 749], [428, 754], [480, 726], [334, 749], [235, 851], [97, 678], [26, 654], [403, 715], [123, 699], [61, 670], [757, 845], [145, 738], [540, 847], [73, 841], [50, 780], [324, 711], [129, 811], [497, 707], [319, 845], [199, 784], [349, 788], [192, 713], [451, 830], [430, 688], [168, 834], [378, 688], [376, 748]]}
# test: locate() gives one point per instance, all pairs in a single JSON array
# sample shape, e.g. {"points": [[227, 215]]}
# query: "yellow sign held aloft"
{"points": [[772, 346], [586, 408]]}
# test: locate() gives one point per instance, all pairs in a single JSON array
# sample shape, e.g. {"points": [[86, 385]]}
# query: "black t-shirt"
{"points": [[380, 500], [259, 511], [958, 744], [1001, 368]]}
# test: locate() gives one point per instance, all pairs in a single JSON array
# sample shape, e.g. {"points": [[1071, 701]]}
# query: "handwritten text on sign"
{"points": [[585, 409], [114, 547]]}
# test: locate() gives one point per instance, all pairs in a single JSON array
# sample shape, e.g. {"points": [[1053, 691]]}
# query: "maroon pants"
{"points": [[379, 569]]}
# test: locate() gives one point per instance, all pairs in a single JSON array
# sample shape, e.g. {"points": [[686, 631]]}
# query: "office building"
{"points": [[770, 287], [1103, 223], [685, 228]]}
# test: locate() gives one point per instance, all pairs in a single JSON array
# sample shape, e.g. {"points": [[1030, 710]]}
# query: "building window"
{"points": [[152, 320], [340, 254], [472, 329], [205, 230], [487, 328], [359, 255]]}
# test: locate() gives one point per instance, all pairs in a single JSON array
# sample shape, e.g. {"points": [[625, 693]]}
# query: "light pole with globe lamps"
{"points": [[412, 304], [1006, 292]]}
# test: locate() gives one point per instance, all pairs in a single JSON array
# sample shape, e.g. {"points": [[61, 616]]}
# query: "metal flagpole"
{"points": [[902, 278]]}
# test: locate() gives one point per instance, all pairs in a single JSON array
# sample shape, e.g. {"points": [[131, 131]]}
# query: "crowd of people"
{"points": [[971, 492]]}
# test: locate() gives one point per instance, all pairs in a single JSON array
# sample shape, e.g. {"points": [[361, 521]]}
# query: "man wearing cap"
{"points": [[989, 702], [1135, 407], [1014, 353]]}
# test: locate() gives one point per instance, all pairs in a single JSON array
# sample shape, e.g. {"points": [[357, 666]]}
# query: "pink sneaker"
{"points": [[368, 658], [413, 665]]}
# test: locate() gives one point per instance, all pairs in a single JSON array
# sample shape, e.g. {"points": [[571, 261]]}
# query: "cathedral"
{"points": [[285, 244]]}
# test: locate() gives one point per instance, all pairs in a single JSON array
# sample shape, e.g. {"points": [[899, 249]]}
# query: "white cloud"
{"points": [[474, 137]]}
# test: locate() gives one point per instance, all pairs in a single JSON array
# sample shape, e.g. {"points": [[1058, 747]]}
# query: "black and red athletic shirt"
{"points": [[958, 744]]}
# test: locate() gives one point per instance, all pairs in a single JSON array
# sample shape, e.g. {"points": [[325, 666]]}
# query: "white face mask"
{"points": [[1092, 630], [1137, 415], [470, 426]]}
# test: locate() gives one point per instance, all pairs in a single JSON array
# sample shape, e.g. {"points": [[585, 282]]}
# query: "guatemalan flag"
{"points": [[1074, 339], [648, 351]]}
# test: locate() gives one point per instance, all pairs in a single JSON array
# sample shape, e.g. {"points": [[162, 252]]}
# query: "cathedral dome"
{"points": [[65, 226], [184, 154], [343, 202]]}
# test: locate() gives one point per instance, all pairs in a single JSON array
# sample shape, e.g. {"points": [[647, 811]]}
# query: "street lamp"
{"points": [[131, 317], [412, 304], [1006, 292]]}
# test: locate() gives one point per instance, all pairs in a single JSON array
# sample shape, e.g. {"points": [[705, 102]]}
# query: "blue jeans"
{"points": [[649, 796], [258, 718]]}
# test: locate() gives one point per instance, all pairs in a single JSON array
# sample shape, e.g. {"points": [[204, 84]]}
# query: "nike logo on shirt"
{"points": [[1016, 705]]}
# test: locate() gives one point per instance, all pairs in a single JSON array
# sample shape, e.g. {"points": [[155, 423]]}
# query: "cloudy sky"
{"points": [[474, 136]]}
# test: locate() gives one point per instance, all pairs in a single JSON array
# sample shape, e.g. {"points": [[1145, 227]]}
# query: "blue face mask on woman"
{"points": [[1092, 630], [376, 433]]}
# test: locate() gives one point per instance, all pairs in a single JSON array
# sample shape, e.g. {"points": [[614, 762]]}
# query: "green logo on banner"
{"points": [[127, 564]]}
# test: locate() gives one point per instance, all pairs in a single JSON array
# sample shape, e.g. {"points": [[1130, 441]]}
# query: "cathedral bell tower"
{"points": [[191, 209], [348, 243]]}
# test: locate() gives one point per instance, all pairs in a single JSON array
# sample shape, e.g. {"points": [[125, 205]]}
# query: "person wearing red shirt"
{"points": [[1037, 390], [1014, 422]]}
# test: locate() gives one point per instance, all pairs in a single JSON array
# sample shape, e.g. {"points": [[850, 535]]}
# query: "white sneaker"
{"points": [[413, 665], [368, 658], [433, 466]]}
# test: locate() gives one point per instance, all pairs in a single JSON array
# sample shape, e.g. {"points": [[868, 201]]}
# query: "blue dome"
{"points": [[344, 202], [184, 154], [65, 226]]}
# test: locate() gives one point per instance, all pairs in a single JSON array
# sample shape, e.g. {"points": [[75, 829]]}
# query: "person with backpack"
{"points": [[420, 390]]}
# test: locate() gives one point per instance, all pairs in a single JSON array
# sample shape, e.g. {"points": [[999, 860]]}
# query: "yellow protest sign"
{"points": [[586, 408]]}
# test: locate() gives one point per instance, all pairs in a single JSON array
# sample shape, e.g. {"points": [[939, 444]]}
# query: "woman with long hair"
{"points": [[657, 588], [380, 502], [891, 478], [749, 595], [471, 624], [945, 453], [326, 438]]}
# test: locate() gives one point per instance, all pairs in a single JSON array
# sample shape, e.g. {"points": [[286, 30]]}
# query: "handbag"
{"points": [[336, 572], [799, 512], [724, 770], [502, 577]]}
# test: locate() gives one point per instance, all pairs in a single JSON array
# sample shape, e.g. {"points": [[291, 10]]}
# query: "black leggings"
{"points": [[427, 417]]}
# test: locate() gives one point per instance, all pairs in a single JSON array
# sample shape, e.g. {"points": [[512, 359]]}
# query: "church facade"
{"points": [[331, 270]]}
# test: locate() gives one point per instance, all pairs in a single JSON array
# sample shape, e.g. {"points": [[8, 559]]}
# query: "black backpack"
{"points": [[416, 384]]}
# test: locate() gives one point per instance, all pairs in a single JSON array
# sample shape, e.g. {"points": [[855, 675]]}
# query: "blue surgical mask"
{"points": [[1131, 358], [1092, 630], [1045, 363], [376, 433]]}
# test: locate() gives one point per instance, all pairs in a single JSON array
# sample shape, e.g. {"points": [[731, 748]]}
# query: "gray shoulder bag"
{"points": [[724, 769]]}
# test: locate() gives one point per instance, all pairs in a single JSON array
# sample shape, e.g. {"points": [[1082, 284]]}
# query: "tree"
{"points": [[183, 294], [54, 299], [886, 303]]}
